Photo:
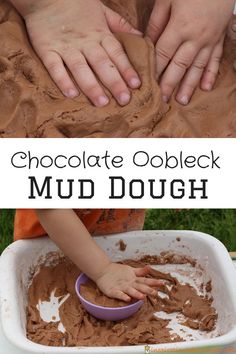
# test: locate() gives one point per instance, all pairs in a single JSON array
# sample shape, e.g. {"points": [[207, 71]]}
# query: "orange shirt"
{"points": [[97, 221]]}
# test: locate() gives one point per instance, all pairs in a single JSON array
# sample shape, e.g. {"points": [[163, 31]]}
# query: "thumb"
{"points": [[118, 23]]}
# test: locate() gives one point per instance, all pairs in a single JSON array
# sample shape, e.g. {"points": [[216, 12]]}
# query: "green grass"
{"points": [[220, 223], [6, 228]]}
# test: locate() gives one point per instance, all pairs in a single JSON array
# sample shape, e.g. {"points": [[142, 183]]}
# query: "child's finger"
{"points": [[145, 289], [117, 23], [86, 79], [60, 76], [120, 295], [142, 272], [159, 19], [107, 73], [150, 281], [193, 76], [212, 69], [116, 52], [132, 292], [166, 47], [176, 70]]}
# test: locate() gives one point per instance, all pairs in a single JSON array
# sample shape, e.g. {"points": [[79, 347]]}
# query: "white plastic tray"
{"points": [[17, 261]]}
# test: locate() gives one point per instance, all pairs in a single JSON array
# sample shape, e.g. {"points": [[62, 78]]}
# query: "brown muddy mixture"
{"points": [[91, 293], [82, 329], [122, 245], [32, 106]]}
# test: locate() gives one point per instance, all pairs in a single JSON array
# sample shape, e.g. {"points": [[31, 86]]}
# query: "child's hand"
{"points": [[189, 37], [124, 282], [78, 34]]}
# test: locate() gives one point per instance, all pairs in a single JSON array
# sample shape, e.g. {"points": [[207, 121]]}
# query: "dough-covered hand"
{"points": [[189, 37], [124, 282], [76, 36]]}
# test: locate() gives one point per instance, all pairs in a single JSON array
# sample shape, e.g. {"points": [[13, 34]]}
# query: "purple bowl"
{"points": [[106, 313]]}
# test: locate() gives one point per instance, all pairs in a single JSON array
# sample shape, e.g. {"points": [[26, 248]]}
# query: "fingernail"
{"points": [[124, 98], [207, 87], [184, 100], [135, 82], [134, 31], [165, 99], [71, 93], [102, 101]]}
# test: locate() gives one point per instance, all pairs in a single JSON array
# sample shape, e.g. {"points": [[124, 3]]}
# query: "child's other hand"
{"points": [[78, 34], [189, 37], [124, 282]]}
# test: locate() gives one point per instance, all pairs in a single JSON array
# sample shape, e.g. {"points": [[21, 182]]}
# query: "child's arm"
{"points": [[189, 37], [115, 280], [77, 35]]}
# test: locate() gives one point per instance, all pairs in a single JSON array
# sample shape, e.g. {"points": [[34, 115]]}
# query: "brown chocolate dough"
{"points": [[32, 105], [82, 329], [91, 293], [122, 245]]}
